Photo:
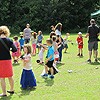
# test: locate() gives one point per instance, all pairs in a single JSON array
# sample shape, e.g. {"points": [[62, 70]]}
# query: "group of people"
{"points": [[22, 50]]}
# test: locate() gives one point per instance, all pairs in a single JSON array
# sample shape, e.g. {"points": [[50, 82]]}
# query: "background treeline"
{"points": [[41, 14]]}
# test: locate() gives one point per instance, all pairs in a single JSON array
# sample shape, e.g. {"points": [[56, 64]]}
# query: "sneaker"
{"points": [[81, 55], [89, 61], [51, 76], [11, 92], [96, 60], [78, 54], [45, 76]]}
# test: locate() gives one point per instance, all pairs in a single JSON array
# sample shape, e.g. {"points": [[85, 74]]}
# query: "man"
{"points": [[27, 34], [93, 33]]}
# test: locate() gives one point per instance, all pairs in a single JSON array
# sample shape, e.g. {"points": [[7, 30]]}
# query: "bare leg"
{"points": [[3, 86], [52, 71], [11, 82], [90, 54], [46, 69], [81, 52], [96, 54]]}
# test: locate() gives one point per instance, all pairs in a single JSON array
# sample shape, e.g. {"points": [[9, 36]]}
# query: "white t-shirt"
{"points": [[41, 53], [57, 32], [27, 65]]}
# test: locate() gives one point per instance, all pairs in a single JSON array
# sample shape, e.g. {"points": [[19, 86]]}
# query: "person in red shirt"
{"points": [[80, 44]]}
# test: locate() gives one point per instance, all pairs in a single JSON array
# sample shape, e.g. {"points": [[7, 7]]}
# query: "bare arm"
{"points": [[87, 35]]}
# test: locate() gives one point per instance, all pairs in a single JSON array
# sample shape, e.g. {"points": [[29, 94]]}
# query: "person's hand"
{"points": [[46, 60]]}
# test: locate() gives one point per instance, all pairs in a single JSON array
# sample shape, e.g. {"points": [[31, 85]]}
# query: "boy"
{"points": [[80, 44], [49, 59], [66, 40], [21, 41]]}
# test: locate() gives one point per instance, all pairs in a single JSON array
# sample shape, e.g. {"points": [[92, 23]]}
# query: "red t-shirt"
{"points": [[80, 40]]}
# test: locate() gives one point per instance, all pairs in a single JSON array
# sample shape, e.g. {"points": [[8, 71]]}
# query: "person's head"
{"points": [[49, 42], [27, 49], [27, 25], [39, 32], [80, 34], [54, 38], [58, 36], [67, 34], [52, 34], [92, 21], [34, 35], [21, 36], [58, 26], [15, 38], [52, 28], [4, 31]]}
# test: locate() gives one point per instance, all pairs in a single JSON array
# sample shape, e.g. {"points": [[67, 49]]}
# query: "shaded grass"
{"points": [[82, 84]]}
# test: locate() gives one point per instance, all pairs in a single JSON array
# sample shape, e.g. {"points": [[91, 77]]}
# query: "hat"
{"points": [[80, 33]]}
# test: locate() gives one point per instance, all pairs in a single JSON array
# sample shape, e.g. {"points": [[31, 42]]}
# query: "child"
{"points": [[66, 40], [21, 41], [33, 40], [41, 53], [49, 60], [27, 78], [56, 53], [17, 54], [80, 44], [39, 40]]}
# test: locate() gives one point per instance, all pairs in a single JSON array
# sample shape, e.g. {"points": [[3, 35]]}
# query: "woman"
{"points": [[5, 60], [58, 29], [60, 47]]}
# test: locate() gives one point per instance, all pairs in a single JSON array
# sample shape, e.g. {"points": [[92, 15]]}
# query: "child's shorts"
{"points": [[50, 64], [65, 46], [80, 46]]}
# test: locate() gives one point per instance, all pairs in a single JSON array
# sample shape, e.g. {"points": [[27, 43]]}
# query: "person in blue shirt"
{"points": [[21, 41], [39, 40], [49, 60]]}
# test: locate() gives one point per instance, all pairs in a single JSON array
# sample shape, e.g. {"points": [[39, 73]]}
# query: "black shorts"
{"points": [[93, 45], [50, 64]]}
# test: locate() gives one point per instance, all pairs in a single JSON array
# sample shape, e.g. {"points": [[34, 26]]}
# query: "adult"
{"points": [[60, 47], [6, 70], [93, 33], [58, 29], [27, 34]]}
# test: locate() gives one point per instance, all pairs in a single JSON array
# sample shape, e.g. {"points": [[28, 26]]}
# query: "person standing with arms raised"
{"points": [[27, 34], [93, 33]]}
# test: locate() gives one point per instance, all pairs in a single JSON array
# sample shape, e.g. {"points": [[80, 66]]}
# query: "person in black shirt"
{"points": [[93, 33], [6, 70]]}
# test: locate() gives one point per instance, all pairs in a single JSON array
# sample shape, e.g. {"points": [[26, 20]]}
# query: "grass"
{"points": [[82, 84]]}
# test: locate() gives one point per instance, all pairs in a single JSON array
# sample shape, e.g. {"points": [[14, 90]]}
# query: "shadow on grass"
{"points": [[49, 82], [16, 64], [95, 63], [24, 92], [60, 64], [6, 98]]}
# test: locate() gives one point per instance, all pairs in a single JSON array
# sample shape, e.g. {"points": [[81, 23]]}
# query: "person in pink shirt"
{"points": [[16, 54]]}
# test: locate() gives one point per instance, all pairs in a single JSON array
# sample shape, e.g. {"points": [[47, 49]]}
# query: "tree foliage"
{"points": [[41, 14]]}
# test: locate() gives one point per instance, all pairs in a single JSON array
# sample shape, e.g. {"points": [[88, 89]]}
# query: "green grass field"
{"points": [[82, 84]]}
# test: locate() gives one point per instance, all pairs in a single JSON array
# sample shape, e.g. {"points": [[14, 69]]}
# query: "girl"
{"points": [[80, 44], [41, 53], [39, 40], [56, 53], [17, 54], [27, 78], [33, 40]]}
